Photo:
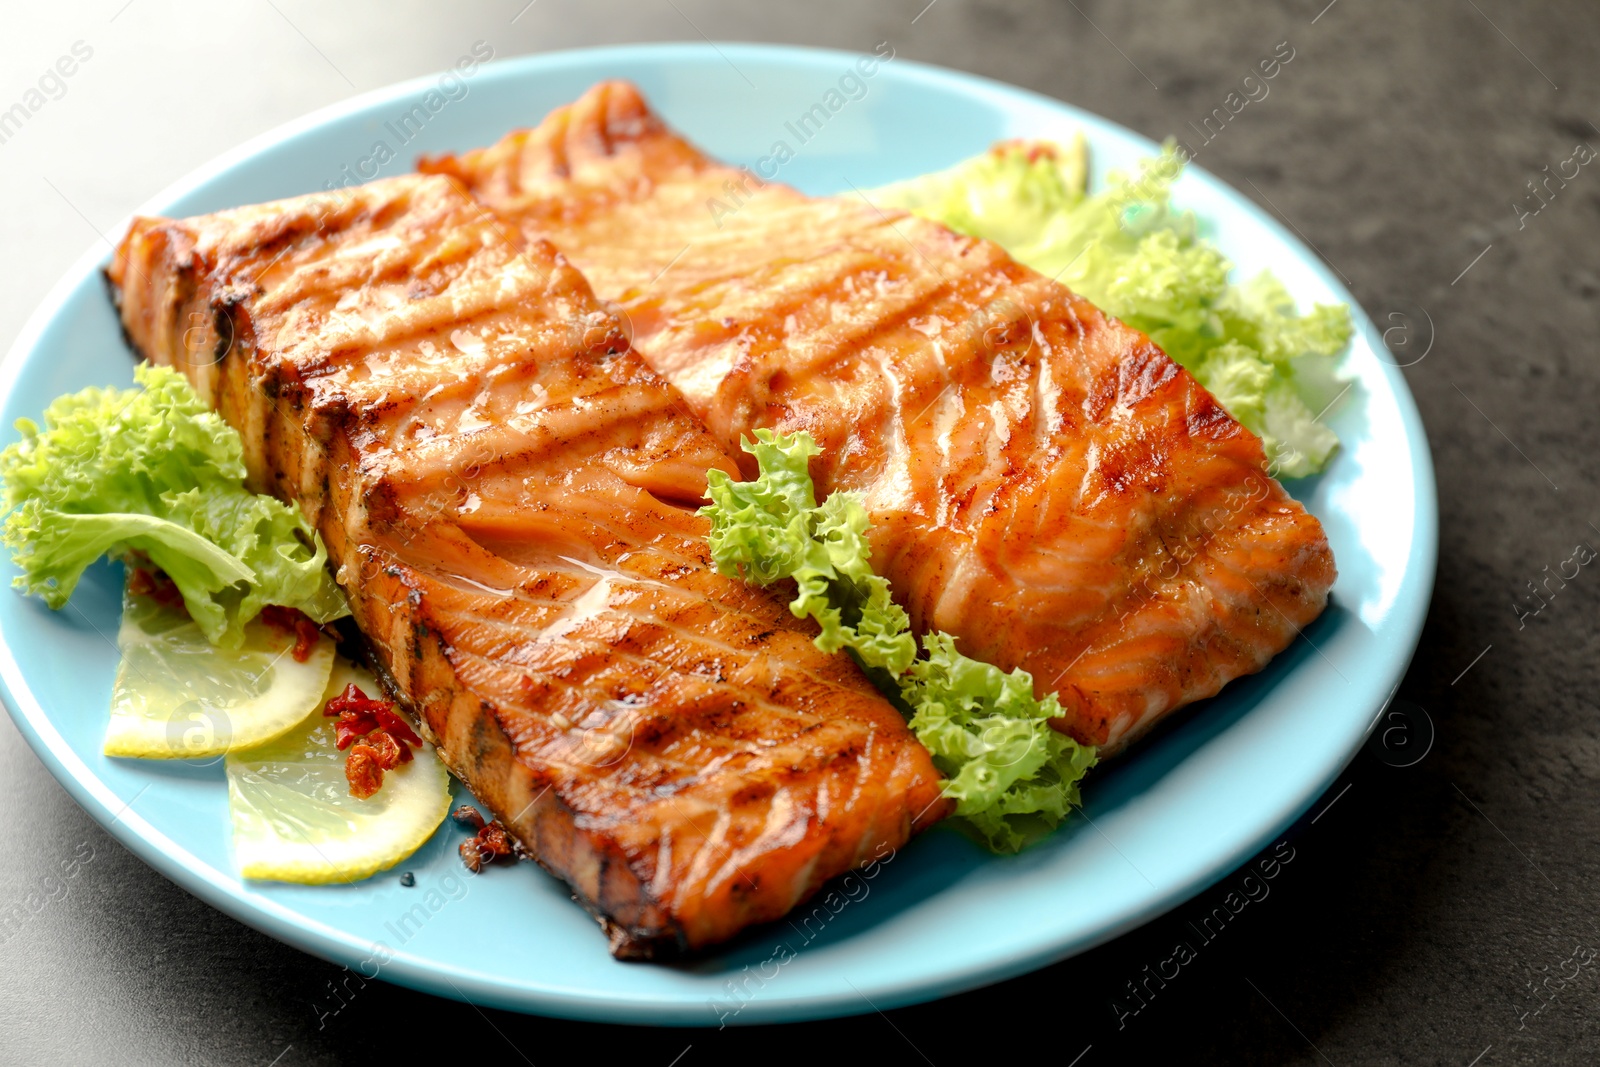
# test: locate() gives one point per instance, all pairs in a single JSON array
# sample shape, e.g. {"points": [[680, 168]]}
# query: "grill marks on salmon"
{"points": [[507, 494], [1044, 483]]}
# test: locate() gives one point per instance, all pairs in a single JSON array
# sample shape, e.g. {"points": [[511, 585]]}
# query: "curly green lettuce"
{"points": [[152, 470], [1008, 194], [1011, 775], [772, 527], [1007, 770], [1129, 251]]}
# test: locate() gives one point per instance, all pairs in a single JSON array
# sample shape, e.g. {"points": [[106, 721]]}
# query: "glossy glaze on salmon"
{"points": [[1045, 484], [508, 495]]}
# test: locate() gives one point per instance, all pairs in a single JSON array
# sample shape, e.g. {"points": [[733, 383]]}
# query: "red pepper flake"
{"points": [[388, 750], [376, 731], [389, 720], [352, 699], [490, 843], [1036, 150], [351, 728], [494, 840], [293, 620], [364, 771], [154, 583]]}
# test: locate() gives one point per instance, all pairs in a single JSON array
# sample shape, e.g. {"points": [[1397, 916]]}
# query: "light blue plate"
{"points": [[1168, 819]]}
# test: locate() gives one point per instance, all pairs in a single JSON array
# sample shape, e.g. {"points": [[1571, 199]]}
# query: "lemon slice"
{"points": [[294, 819], [177, 696]]}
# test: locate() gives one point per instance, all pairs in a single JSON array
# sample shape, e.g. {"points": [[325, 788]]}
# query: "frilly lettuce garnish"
{"points": [[1008, 194], [987, 731], [152, 470], [773, 528], [1126, 249], [1010, 774]]}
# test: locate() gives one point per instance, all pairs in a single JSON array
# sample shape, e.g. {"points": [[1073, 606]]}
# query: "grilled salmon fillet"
{"points": [[508, 495], [1044, 483]]}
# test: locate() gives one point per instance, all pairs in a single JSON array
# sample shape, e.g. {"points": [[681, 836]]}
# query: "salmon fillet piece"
{"points": [[507, 494], [1044, 483]]}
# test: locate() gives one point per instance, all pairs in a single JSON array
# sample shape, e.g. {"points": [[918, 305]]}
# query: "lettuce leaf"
{"points": [[1011, 775], [992, 737], [1129, 251], [1008, 193], [152, 470], [839, 589], [772, 528]]}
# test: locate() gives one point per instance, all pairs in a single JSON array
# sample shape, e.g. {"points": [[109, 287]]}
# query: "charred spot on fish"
{"points": [[961, 503], [1102, 393], [282, 382], [717, 718], [753, 793], [649, 733], [385, 212], [180, 247], [329, 408], [122, 324], [381, 499], [232, 297], [1206, 418], [275, 234], [485, 738], [1142, 372], [1112, 471]]}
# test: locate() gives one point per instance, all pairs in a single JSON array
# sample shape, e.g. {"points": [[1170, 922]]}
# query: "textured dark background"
{"points": [[1421, 908]]}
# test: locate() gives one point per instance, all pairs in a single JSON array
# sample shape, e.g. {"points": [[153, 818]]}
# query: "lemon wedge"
{"points": [[177, 696], [294, 819]]}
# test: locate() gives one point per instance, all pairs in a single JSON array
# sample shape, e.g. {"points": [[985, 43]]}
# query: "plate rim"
{"points": [[325, 941]]}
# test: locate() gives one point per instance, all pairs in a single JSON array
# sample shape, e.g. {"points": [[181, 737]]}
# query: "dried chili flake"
{"points": [[351, 727], [363, 771], [387, 748], [352, 699], [1036, 150], [494, 839], [389, 720], [490, 843], [293, 620], [375, 731]]}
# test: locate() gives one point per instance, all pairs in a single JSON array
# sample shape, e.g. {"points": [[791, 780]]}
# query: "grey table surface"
{"points": [[1437, 909]]}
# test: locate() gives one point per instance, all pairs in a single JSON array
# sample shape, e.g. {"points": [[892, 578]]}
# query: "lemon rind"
{"points": [[144, 737], [408, 822]]}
